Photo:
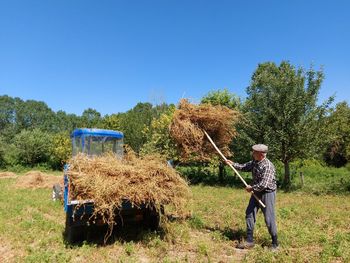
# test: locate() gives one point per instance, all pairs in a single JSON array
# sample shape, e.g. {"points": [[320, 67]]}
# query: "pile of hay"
{"points": [[4, 175], [188, 124], [37, 179], [142, 181]]}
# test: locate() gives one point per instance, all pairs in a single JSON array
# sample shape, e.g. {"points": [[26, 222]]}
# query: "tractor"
{"points": [[79, 222]]}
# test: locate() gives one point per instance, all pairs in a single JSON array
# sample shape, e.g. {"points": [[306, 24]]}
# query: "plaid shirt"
{"points": [[263, 173]]}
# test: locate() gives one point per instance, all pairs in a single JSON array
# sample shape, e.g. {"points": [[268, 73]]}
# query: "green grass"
{"points": [[318, 179], [312, 228]]}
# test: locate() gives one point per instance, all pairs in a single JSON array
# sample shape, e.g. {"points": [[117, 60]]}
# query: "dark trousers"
{"points": [[269, 214]]}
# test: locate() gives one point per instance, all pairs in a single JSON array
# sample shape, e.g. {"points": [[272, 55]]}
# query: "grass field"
{"points": [[312, 228]]}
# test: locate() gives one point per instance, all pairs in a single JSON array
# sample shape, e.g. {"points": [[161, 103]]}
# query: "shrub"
{"points": [[32, 147]]}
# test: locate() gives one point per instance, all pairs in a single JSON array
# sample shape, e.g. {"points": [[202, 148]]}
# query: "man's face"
{"points": [[256, 155]]}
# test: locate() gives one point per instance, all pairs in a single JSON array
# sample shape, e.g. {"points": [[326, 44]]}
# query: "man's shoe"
{"points": [[275, 248], [245, 245]]}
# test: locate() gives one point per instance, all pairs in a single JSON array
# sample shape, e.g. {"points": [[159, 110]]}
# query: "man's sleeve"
{"points": [[246, 167]]}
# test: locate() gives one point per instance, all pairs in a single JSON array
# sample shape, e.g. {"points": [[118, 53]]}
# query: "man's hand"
{"points": [[228, 162], [249, 189]]}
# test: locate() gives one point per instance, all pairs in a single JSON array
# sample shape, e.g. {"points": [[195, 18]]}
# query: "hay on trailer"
{"points": [[142, 181], [188, 124]]}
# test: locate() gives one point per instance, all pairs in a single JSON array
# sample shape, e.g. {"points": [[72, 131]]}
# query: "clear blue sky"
{"points": [[110, 55]]}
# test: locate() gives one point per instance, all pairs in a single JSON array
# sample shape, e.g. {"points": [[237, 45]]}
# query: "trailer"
{"points": [[79, 219]]}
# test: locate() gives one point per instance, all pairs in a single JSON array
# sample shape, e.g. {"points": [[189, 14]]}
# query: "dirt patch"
{"points": [[4, 175], [7, 253], [201, 247], [37, 179], [188, 126]]}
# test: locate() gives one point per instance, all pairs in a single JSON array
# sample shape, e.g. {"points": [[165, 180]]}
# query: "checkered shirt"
{"points": [[263, 173]]}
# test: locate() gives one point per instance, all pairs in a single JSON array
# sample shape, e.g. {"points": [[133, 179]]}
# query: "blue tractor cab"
{"points": [[94, 142], [97, 141]]}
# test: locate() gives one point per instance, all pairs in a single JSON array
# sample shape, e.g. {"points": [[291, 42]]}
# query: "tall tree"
{"points": [[91, 118], [338, 124], [133, 123], [7, 115], [67, 122], [282, 103], [112, 122], [158, 137], [33, 114], [222, 97]]}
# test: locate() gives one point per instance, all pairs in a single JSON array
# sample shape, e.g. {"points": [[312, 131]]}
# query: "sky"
{"points": [[111, 54]]}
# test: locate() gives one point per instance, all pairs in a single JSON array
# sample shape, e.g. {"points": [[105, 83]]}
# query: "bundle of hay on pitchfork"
{"points": [[202, 131], [189, 124]]}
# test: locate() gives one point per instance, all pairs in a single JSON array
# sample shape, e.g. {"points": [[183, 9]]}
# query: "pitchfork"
{"points": [[240, 177]]}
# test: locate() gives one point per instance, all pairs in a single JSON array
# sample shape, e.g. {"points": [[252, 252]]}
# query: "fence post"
{"points": [[302, 179]]}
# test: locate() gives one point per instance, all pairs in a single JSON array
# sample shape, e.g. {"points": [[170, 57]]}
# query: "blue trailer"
{"points": [[79, 220]]}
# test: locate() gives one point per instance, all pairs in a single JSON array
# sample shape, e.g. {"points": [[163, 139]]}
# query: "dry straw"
{"points": [[142, 181], [188, 124], [37, 179]]}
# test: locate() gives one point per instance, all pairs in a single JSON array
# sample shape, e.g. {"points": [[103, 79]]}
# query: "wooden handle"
{"points": [[234, 169]]}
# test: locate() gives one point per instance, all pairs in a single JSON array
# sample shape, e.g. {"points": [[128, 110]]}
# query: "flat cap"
{"points": [[260, 148]]}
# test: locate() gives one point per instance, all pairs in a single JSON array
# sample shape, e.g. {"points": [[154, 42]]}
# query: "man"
{"points": [[264, 186]]}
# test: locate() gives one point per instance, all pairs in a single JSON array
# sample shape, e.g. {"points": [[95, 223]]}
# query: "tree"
{"points": [[67, 122], [33, 114], [135, 121], [158, 138], [91, 118], [338, 124], [7, 112], [17, 115], [33, 147], [60, 149], [222, 97], [112, 122], [2, 152], [282, 103]]}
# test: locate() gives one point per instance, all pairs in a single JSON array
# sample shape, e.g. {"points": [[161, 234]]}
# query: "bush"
{"points": [[32, 147], [319, 178], [60, 149]]}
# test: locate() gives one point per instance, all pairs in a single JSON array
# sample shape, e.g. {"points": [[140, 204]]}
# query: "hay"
{"points": [[188, 124], [142, 181], [36, 179], [4, 175]]}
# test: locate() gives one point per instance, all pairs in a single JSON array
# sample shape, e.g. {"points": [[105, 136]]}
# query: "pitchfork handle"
{"points": [[234, 169]]}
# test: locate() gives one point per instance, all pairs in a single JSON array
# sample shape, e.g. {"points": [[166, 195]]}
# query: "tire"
{"points": [[56, 192]]}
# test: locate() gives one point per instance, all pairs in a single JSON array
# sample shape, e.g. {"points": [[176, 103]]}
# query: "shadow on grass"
{"points": [[229, 233], [98, 235], [233, 234]]}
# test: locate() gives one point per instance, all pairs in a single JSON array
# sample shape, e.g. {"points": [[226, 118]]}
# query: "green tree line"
{"points": [[282, 109]]}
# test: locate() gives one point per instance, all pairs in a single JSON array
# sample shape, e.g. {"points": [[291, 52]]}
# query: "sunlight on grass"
{"points": [[312, 228]]}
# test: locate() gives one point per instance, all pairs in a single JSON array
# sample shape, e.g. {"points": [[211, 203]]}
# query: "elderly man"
{"points": [[264, 186]]}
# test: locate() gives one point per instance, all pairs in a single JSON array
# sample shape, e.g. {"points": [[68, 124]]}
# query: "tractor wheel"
{"points": [[56, 192]]}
